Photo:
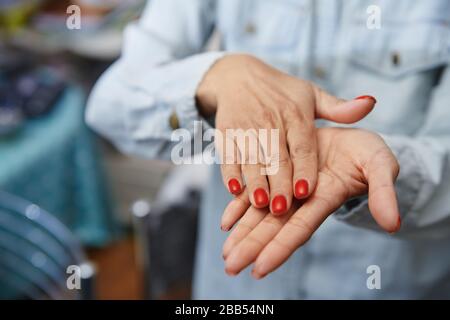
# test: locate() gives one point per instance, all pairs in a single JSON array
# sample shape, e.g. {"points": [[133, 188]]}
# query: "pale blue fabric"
{"points": [[404, 64]]}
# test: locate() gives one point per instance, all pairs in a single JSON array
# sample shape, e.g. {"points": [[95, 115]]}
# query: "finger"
{"points": [[249, 221], [252, 168], [338, 110], [280, 182], [299, 228], [235, 210], [230, 163], [246, 251], [231, 175], [382, 197], [303, 153]]}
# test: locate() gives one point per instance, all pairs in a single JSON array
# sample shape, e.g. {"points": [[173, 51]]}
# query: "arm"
{"points": [[133, 101], [423, 185]]}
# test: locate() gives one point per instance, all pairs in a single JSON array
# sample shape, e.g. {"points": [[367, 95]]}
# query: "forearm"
{"points": [[155, 80]]}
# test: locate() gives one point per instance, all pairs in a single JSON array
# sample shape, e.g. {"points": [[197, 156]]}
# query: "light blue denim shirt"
{"points": [[404, 64]]}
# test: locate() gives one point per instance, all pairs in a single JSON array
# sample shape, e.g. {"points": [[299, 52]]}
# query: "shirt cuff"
{"points": [[166, 92], [192, 71]]}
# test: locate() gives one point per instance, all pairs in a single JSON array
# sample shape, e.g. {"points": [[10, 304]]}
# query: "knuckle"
{"points": [[297, 118], [272, 222], [255, 241], [278, 160], [283, 245], [302, 151], [284, 162], [290, 107], [248, 169], [245, 226], [266, 116], [299, 223], [229, 161], [332, 200]]}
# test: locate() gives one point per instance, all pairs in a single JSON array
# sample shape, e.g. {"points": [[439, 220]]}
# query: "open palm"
{"points": [[352, 162]]}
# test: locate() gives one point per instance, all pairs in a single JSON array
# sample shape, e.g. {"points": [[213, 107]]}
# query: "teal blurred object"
{"points": [[53, 162]]}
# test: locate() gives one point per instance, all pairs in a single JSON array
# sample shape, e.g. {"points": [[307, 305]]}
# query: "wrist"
{"points": [[206, 96], [227, 69]]}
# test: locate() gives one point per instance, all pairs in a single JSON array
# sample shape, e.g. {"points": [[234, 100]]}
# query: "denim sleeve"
{"points": [[423, 185], [155, 78]]}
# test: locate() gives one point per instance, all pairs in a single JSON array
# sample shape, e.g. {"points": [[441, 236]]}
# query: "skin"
{"points": [[352, 162], [245, 93]]}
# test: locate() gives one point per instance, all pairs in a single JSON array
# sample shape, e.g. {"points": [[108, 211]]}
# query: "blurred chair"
{"points": [[35, 251], [166, 239], [166, 232]]}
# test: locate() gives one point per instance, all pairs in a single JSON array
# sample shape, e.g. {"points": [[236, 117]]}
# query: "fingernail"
{"points": [[279, 204], [301, 189], [234, 186], [366, 97], [261, 198]]}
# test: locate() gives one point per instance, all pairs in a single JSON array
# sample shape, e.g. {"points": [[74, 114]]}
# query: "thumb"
{"points": [[381, 175], [331, 108]]}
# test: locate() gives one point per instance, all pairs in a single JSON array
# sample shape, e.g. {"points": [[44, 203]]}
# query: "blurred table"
{"points": [[54, 162]]}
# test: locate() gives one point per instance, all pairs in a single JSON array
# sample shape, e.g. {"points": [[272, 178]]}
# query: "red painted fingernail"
{"points": [[301, 189], [366, 97], [279, 204], [234, 186], [261, 197]]}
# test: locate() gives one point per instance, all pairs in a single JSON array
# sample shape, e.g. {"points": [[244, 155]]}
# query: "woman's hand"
{"points": [[352, 162], [247, 94]]}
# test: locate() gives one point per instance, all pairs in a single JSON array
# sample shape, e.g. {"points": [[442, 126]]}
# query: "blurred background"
{"points": [[66, 196]]}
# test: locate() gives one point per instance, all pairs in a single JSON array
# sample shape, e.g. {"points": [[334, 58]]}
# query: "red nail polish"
{"points": [[234, 186], [279, 204], [367, 97], [301, 189], [261, 197]]}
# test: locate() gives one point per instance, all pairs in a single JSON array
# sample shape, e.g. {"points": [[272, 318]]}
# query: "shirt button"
{"points": [[395, 57], [250, 28], [174, 122], [320, 73]]}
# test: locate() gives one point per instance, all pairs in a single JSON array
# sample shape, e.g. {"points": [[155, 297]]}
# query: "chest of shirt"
{"points": [[392, 49]]}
